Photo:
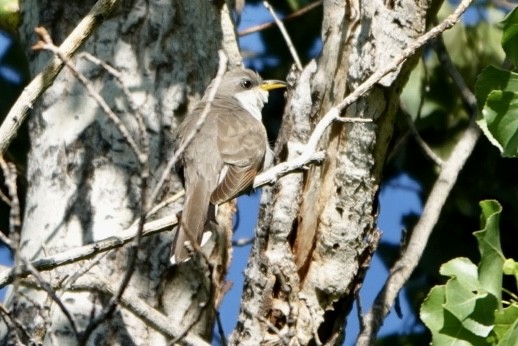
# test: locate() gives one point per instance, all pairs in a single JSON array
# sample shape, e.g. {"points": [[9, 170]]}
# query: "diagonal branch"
{"points": [[44, 79], [133, 303], [90, 250], [285, 34]]}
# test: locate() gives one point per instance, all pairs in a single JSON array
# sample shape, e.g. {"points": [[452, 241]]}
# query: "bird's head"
{"points": [[248, 88]]}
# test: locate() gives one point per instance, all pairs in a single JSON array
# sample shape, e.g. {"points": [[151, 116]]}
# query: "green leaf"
{"points": [[499, 121], [432, 310], [506, 323], [461, 309], [510, 36], [463, 270], [492, 78], [472, 308], [490, 269], [445, 327]]}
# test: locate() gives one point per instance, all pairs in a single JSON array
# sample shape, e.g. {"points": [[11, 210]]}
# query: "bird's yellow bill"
{"points": [[271, 84]]}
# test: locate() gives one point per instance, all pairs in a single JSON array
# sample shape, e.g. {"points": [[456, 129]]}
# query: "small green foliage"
{"points": [[467, 310], [490, 268], [9, 15], [506, 325], [497, 95], [510, 36]]}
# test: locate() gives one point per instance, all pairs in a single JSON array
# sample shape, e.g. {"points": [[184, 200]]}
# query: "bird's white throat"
{"points": [[253, 101]]}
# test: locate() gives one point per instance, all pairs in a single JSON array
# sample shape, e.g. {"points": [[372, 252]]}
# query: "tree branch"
{"points": [[90, 250], [43, 80], [290, 16], [133, 303], [403, 268], [285, 34]]}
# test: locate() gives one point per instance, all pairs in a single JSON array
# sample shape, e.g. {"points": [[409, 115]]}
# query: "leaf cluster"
{"points": [[468, 309]]}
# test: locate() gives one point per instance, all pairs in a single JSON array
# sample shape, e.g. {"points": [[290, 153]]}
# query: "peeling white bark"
{"points": [[84, 178]]}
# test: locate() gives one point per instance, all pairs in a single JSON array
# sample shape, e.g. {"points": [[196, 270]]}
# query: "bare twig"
{"points": [[131, 301], [43, 80], [212, 94], [90, 250], [469, 99], [274, 173], [166, 202], [221, 331], [52, 294], [285, 35], [13, 326], [270, 326], [46, 43], [420, 141], [308, 154], [404, 266], [268, 25]]}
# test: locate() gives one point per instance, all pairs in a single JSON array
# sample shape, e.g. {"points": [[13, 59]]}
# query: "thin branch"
{"points": [[50, 291], [90, 250], [133, 303], [274, 173], [46, 43], [13, 326], [166, 202], [403, 268], [420, 141], [212, 94], [393, 65], [282, 338], [221, 331], [290, 16], [469, 99], [44, 79], [285, 35]]}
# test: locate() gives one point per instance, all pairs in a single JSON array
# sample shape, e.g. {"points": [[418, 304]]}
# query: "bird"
{"points": [[224, 156]]}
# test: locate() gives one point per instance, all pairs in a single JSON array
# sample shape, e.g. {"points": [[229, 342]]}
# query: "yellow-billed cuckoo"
{"points": [[225, 155]]}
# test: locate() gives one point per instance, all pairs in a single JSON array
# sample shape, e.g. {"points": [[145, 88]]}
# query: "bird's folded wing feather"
{"points": [[242, 147]]}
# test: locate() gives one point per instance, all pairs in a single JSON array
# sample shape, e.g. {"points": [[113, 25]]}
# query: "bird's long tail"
{"points": [[191, 228]]}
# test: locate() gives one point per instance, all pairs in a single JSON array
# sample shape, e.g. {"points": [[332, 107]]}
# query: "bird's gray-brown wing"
{"points": [[242, 146]]}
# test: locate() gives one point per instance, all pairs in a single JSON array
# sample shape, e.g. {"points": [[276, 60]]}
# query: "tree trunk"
{"points": [[85, 180], [317, 229]]}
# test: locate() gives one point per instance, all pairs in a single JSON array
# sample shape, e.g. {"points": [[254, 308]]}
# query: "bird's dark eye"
{"points": [[246, 84]]}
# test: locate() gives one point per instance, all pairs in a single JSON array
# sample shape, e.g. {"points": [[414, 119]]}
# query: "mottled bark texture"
{"points": [[317, 228], [84, 179]]}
